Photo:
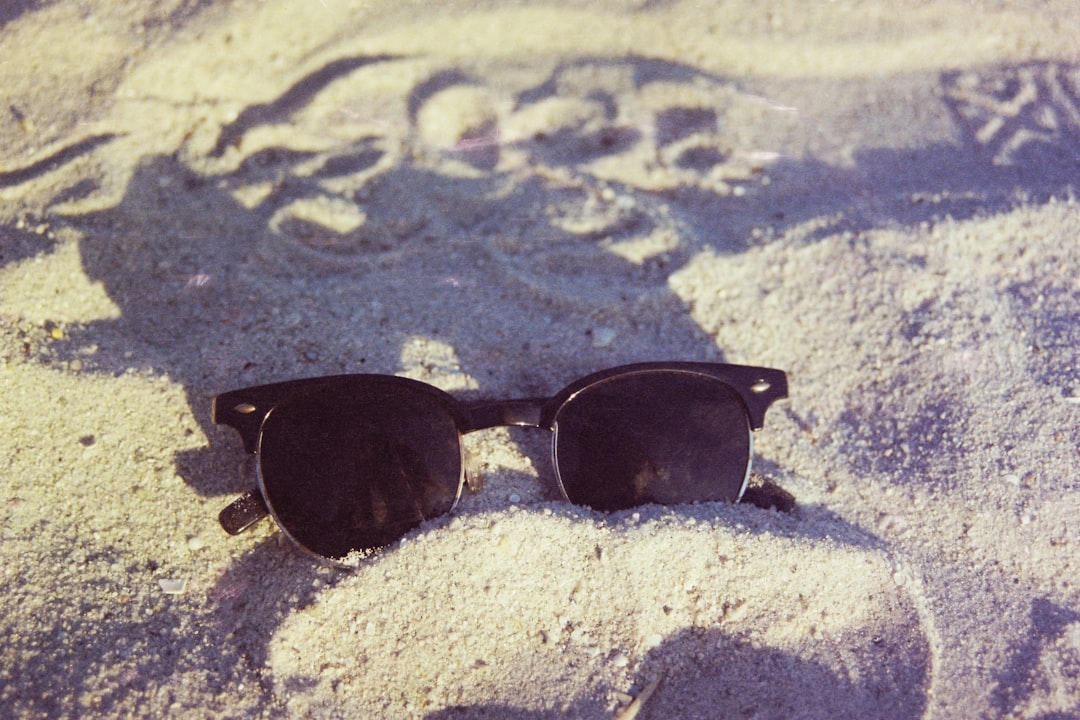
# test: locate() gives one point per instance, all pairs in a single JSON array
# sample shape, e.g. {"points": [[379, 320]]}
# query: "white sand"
{"points": [[875, 197]]}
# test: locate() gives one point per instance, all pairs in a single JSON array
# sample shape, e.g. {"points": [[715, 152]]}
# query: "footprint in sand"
{"points": [[561, 179]]}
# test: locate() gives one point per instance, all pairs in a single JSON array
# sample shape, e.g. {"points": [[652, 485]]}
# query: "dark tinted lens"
{"points": [[653, 436], [357, 466]]}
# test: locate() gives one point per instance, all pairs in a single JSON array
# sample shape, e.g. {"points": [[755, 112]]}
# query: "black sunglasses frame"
{"points": [[247, 409]]}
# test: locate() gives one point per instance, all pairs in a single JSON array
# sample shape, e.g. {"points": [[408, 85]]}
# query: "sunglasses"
{"points": [[354, 462]]}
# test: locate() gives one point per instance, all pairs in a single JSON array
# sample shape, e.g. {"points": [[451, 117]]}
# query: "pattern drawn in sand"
{"points": [[1017, 110]]}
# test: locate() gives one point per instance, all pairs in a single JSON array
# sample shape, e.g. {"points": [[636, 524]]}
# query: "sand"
{"points": [[498, 198]]}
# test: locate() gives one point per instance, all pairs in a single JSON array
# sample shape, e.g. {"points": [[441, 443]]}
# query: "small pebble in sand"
{"points": [[603, 337], [172, 586]]}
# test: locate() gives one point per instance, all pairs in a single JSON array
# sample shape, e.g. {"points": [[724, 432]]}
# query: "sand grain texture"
{"points": [[877, 197]]}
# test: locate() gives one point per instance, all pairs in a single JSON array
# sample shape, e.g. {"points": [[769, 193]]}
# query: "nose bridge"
{"points": [[483, 414]]}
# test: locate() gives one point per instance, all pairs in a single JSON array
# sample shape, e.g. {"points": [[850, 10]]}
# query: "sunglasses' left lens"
{"points": [[659, 436], [356, 466]]}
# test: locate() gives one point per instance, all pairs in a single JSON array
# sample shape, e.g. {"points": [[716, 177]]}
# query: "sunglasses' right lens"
{"points": [[655, 436], [356, 466]]}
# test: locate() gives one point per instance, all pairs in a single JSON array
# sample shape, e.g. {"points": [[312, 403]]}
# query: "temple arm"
{"points": [[243, 512]]}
